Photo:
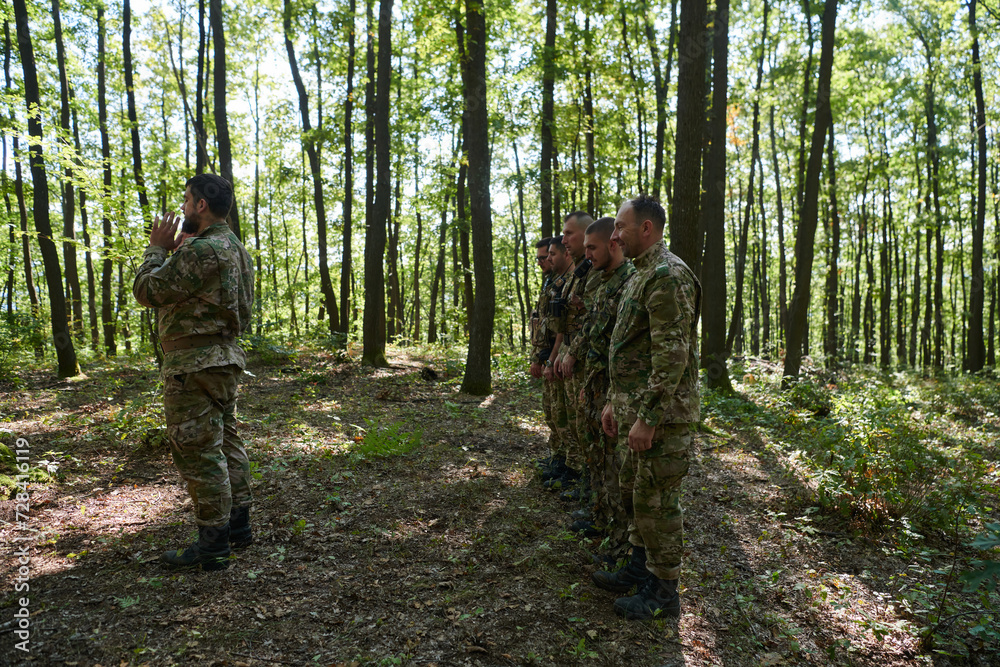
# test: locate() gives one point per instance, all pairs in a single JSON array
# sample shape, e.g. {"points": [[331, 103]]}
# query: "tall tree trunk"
{"points": [[439, 278], [315, 168], [258, 291], [685, 210], [806, 235], [199, 96], [660, 84], [221, 115], [976, 347], [588, 112], [140, 182], [68, 194], [638, 88], [346, 265], [107, 315], [477, 380], [782, 268], [713, 274], [548, 117], [373, 352], [65, 352], [832, 343]]}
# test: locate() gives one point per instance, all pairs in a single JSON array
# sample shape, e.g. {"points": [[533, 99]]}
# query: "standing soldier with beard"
{"points": [[652, 402], [204, 293]]}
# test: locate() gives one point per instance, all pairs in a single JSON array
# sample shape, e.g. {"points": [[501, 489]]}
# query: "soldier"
{"points": [[612, 272], [541, 346], [202, 284], [571, 461], [568, 327], [652, 402]]}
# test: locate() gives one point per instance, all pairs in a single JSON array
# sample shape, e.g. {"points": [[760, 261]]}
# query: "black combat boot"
{"points": [[240, 536], [654, 595], [210, 551], [587, 527], [556, 468], [626, 578]]}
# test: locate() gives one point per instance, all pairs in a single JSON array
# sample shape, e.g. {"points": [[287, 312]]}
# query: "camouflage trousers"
{"points": [[604, 463], [651, 484], [576, 457], [554, 445], [561, 415], [200, 410]]}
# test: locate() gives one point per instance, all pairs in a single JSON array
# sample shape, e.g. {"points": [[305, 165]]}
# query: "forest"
{"points": [[831, 172]]}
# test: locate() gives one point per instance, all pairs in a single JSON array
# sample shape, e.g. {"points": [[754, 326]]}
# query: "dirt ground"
{"points": [[450, 554]]}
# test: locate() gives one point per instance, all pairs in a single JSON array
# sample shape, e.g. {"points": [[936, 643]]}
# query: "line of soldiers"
{"points": [[614, 338]]}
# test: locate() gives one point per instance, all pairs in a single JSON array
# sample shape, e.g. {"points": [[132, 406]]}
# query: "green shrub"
{"points": [[387, 439]]}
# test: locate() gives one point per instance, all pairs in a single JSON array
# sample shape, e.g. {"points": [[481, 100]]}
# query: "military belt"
{"points": [[188, 342]]}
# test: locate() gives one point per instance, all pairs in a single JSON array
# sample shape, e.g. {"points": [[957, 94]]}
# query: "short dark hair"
{"points": [[557, 241], [583, 219], [544, 243], [604, 226], [215, 190], [647, 207]]}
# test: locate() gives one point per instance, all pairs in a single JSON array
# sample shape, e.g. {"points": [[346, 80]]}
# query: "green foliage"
{"points": [[387, 439], [19, 331], [986, 571]]}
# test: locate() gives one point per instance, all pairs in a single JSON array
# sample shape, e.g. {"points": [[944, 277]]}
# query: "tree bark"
{"points": [[782, 268], [477, 379], [373, 342], [346, 263], [548, 117], [65, 352], [201, 159], [713, 213], [221, 115], [976, 346], [832, 342], [315, 168], [685, 210], [806, 235], [68, 190]]}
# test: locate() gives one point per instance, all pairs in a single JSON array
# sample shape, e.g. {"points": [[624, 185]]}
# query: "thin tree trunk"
{"points": [[832, 343], [588, 111], [660, 84], [315, 167], [782, 267], [199, 96], [65, 352], [68, 190], [374, 334], [805, 238], [107, 317], [713, 274], [346, 259], [477, 379], [221, 115], [976, 347], [548, 118]]}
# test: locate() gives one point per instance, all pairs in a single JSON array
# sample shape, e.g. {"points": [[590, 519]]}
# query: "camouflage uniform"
{"points": [[203, 290], [541, 346], [654, 375], [603, 457], [570, 325], [557, 387]]}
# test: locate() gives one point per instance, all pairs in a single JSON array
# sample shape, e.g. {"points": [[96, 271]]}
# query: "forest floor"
{"points": [[399, 522]]}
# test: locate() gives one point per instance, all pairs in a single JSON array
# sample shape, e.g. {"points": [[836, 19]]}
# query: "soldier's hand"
{"points": [[547, 373], [640, 436], [608, 422], [163, 231], [536, 370], [567, 365]]}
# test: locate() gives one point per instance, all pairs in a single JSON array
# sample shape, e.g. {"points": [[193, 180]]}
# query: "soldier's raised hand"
{"points": [[164, 230]]}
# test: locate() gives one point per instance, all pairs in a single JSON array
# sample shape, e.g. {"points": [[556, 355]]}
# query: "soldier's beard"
{"points": [[189, 226]]}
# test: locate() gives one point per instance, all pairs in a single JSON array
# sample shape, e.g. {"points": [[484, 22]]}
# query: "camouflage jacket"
{"points": [[601, 322], [541, 338], [653, 354], [204, 288], [572, 319], [556, 288], [579, 344]]}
